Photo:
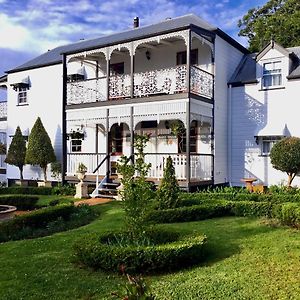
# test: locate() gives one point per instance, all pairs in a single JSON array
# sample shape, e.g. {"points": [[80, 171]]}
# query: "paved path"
{"points": [[93, 201]]}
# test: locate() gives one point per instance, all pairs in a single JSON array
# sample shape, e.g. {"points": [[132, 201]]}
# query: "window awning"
{"points": [[75, 71], [274, 130], [25, 82]]}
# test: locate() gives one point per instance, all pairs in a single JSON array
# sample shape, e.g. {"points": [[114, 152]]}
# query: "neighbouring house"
{"points": [[202, 97]]}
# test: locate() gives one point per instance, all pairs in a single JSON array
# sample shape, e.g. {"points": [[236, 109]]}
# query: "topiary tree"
{"points": [[168, 192], [39, 150], [285, 157], [17, 151]]}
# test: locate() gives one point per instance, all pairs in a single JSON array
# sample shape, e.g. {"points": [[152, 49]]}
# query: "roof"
{"points": [[54, 56], [3, 78], [246, 70]]}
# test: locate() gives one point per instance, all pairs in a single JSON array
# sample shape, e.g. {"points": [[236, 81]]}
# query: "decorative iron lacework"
{"points": [[201, 83], [3, 109], [119, 86], [93, 90]]}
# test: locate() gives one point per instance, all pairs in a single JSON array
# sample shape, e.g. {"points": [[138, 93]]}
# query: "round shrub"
{"points": [[96, 252], [22, 202]]}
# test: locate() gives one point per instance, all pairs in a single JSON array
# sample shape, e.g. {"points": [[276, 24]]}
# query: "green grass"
{"points": [[44, 200], [245, 260]]}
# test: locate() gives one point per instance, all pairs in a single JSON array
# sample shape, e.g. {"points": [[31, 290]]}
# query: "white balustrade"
{"points": [[201, 166], [90, 160], [92, 90], [3, 110], [119, 86], [202, 82]]}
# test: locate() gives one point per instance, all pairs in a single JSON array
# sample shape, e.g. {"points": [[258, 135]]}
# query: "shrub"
{"points": [[45, 221], [22, 202], [26, 190], [94, 252], [287, 214], [168, 192], [64, 190], [39, 150], [285, 157], [251, 209]]}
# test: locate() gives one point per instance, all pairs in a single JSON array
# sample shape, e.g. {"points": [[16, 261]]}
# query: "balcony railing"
{"points": [[200, 168], [3, 110], [157, 82]]}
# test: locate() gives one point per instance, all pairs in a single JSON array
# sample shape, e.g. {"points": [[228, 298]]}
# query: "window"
{"points": [[267, 142], [181, 57], [76, 145], [272, 74], [116, 69], [75, 77], [22, 95]]}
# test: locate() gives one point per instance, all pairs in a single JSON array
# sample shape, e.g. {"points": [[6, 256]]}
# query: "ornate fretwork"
{"points": [[164, 81], [3, 109], [127, 46], [82, 55], [203, 41], [87, 91], [119, 86], [184, 34], [202, 83]]}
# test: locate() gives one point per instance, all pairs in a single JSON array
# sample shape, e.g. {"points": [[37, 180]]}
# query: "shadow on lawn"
{"points": [[224, 240]]}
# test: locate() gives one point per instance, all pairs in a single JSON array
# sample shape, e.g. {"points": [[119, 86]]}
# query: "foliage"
{"points": [[28, 190], [94, 252], [285, 157], [64, 190], [178, 129], [137, 193], [17, 151], [46, 221], [168, 192], [56, 170], [22, 202], [39, 150], [81, 168], [277, 19], [2, 148], [135, 289], [288, 214]]}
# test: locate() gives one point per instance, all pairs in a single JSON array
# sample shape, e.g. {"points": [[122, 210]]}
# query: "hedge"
{"points": [[28, 190], [287, 214], [22, 202], [93, 252], [36, 219]]}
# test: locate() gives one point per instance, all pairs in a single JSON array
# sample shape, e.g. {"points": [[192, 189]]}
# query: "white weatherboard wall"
{"points": [[254, 111], [44, 101], [226, 60]]}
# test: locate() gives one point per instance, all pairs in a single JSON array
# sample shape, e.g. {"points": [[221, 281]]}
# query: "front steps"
{"points": [[107, 188]]}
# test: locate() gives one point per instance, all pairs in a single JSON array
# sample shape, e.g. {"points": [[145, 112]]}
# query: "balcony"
{"points": [[166, 81]]}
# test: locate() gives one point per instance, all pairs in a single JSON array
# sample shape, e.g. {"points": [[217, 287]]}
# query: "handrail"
{"points": [[102, 162], [196, 67]]}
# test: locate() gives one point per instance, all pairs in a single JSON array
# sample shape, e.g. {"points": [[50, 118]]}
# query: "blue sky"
{"points": [[31, 27]]}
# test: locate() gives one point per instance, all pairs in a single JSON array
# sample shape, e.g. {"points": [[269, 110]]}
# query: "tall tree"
{"points": [[17, 151], [39, 150], [277, 19]]}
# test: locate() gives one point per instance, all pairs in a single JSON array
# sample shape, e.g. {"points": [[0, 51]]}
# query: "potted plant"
{"points": [[81, 170]]}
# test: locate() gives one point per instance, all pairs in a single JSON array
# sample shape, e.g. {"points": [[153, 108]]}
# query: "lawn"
{"points": [[246, 259]]}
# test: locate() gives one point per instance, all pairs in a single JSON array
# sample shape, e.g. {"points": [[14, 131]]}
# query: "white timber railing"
{"points": [[150, 83], [201, 166], [90, 160]]}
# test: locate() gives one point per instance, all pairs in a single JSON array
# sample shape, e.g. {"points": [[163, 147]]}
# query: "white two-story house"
{"points": [[182, 81]]}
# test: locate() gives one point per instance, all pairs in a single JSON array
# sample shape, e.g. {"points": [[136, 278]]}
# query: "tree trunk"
{"points": [[21, 173], [45, 173], [290, 179]]}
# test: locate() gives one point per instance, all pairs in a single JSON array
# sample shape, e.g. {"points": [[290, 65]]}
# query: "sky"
{"points": [[30, 27]]}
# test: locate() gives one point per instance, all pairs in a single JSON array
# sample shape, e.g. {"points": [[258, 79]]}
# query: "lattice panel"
{"points": [[202, 83]]}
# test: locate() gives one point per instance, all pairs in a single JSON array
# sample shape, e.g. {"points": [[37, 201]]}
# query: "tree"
{"points": [[277, 19], [285, 157], [168, 192], [39, 150], [17, 151]]}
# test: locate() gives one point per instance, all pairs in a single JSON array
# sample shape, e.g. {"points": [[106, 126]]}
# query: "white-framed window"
{"points": [[272, 74], [22, 95], [76, 145], [267, 142]]}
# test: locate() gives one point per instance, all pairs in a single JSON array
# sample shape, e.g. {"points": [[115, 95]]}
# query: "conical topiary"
{"points": [[39, 150], [168, 192], [17, 151]]}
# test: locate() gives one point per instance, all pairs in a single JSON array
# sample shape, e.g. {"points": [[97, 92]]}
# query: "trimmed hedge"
{"points": [[36, 220], [22, 202], [93, 252], [28, 190], [288, 214]]}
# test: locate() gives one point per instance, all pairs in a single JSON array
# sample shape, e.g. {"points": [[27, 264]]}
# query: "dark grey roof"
{"points": [[246, 70], [3, 78], [54, 56]]}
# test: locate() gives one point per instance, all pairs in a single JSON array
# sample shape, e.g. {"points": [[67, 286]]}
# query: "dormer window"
{"points": [[272, 76]]}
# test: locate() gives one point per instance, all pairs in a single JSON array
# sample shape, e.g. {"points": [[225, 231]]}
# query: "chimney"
{"points": [[136, 22]]}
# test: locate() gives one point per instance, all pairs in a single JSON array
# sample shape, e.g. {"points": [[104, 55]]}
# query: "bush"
{"points": [[64, 190], [22, 202], [93, 251], [26, 190], [287, 214], [46, 221], [251, 209]]}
